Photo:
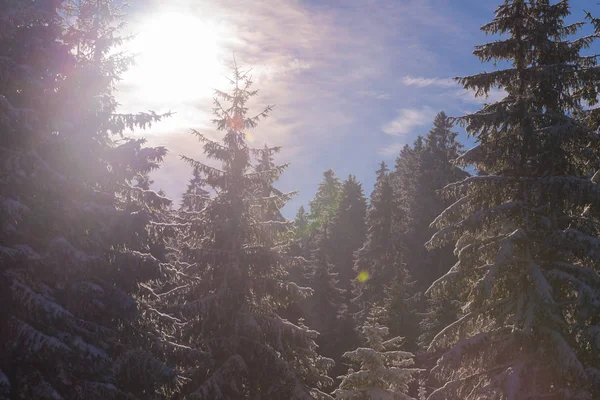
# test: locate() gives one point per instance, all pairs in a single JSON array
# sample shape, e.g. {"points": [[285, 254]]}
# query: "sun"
{"points": [[178, 58]]}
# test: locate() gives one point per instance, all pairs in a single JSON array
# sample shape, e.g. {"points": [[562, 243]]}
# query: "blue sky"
{"points": [[352, 81]]}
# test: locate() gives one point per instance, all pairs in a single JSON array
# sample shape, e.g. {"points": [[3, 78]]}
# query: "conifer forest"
{"points": [[466, 272]]}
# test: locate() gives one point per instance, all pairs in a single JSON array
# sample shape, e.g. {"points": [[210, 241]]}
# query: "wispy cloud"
{"points": [[407, 119], [374, 94], [321, 64], [450, 89], [424, 82]]}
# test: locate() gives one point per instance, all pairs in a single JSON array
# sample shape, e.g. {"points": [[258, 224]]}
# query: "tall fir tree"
{"points": [[309, 226], [401, 300], [421, 172], [527, 248], [301, 220], [348, 232], [401, 304], [405, 179], [325, 204], [324, 306], [436, 170], [302, 232], [377, 262], [239, 276], [74, 232]]}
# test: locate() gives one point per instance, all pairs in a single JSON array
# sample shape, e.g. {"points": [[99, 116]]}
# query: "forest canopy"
{"points": [[461, 274]]}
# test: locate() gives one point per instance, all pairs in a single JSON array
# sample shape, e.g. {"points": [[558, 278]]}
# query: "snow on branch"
{"points": [[38, 305], [31, 341]]}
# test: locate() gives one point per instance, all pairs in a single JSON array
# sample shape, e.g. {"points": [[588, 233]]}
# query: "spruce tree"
{"points": [[405, 179], [74, 231], [310, 227], [239, 276], [436, 170], [376, 261], [346, 234], [302, 233], [324, 306], [301, 220], [421, 172], [325, 204], [526, 237], [195, 196], [401, 299], [384, 371], [299, 248], [348, 231], [401, 304]]}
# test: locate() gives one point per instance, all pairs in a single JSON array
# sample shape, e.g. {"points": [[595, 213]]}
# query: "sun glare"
{"points": [[177, 58]]}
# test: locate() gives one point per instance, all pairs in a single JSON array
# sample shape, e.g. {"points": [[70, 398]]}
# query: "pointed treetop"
{"points": [[382, 171]]}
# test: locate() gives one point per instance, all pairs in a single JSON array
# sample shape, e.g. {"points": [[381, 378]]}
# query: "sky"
{"points": [[352, 81]]}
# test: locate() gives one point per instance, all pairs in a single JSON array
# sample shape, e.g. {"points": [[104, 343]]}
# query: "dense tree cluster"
{"points": [[487, 283]]}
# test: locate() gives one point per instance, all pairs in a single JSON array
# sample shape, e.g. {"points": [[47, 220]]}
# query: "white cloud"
{"points": [[310, 60], [424, 82], [374, 94], [407, 120], [447, 87]]}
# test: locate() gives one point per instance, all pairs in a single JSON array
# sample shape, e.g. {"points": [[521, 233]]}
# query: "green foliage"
{"points": [[108, 293], [377, 258], [421, 172], [526, 237], [326, 202], [323, 308], [348, 231], [301, 225], [232, 279]]}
